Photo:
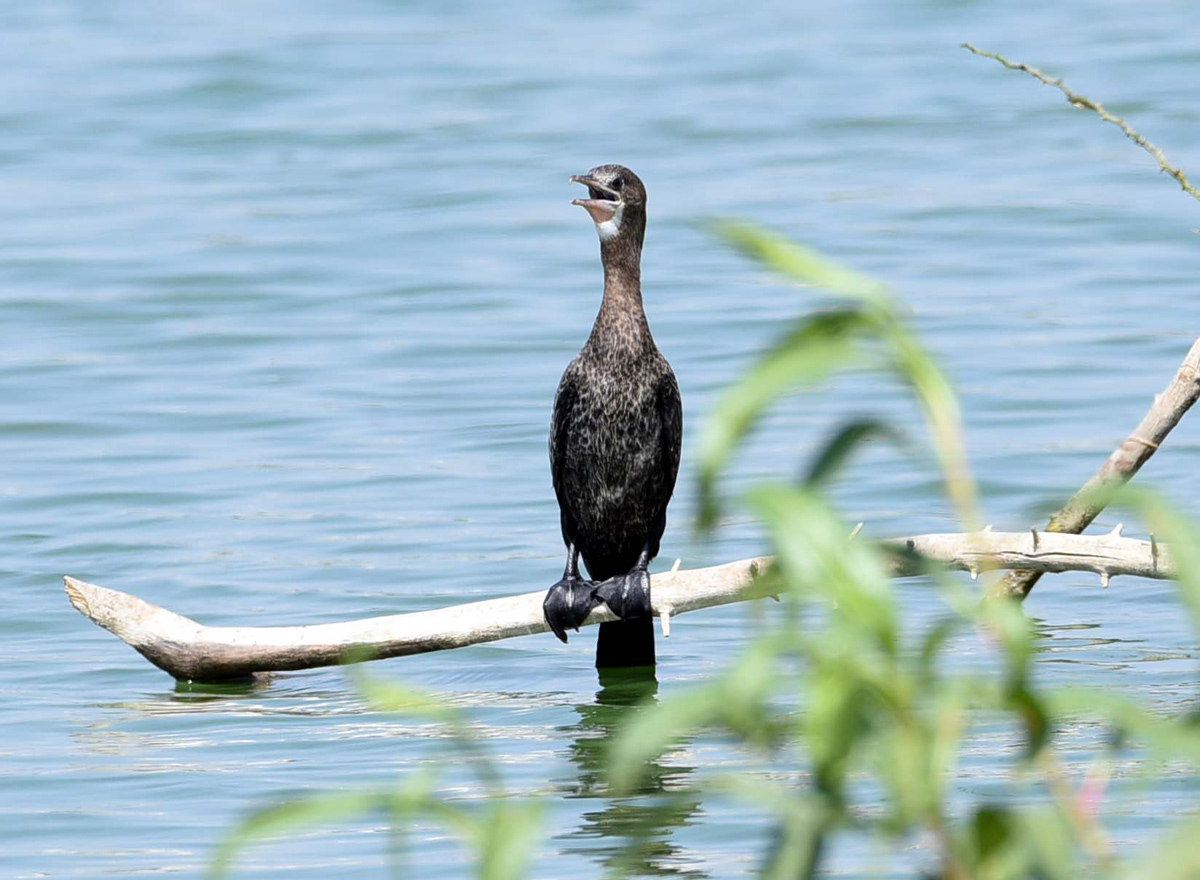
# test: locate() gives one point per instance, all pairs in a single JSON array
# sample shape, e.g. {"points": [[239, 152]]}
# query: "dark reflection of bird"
{"points": [[632, 836], [614, 439]]}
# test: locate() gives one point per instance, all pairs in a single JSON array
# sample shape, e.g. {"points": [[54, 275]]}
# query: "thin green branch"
{"points": [[1100, 110]]}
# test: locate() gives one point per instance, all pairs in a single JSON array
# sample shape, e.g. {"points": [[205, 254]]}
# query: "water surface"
{"points": [[286, 291]]}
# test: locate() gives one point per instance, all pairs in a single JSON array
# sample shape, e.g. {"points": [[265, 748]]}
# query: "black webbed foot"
{"points": [[628, 595], [568, 604]]}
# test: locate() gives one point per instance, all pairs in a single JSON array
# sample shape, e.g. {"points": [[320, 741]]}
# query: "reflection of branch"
{"points": [[1126, 460], [1095, 106]]}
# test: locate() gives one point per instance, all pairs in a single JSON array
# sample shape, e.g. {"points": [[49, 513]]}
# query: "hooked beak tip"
{"points": [[595, 185]]}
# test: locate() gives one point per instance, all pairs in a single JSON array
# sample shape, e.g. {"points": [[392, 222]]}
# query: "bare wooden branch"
{"points": [[1126, 460], [1100, 110], [191, 651], [1106, 555]]}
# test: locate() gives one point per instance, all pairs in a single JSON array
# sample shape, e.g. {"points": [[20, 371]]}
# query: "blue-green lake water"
{"points": [[286, 289]]}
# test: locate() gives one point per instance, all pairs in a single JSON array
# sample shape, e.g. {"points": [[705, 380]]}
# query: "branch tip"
{"points": [[1086, 103]]}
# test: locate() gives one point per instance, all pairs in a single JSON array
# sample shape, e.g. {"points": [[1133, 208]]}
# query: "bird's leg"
{"points": [[628, 595], [569, 602]]}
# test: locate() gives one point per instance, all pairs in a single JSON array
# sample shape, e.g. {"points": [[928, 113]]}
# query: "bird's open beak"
{"points": [[604, 199]]}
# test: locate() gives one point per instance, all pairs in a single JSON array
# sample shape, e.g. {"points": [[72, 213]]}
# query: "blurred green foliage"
{"points": [[876, 715], [836, 682], [501, 831]]}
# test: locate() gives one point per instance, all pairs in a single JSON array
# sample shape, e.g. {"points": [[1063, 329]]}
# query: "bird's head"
{"points": [[616, 202]]}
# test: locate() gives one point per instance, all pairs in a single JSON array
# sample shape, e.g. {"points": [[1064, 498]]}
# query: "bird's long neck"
{"points": [[621, 322]]}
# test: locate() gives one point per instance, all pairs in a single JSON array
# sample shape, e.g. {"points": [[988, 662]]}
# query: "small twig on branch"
{"points": [[191, 651], [1100, 110], [1126, 460]]}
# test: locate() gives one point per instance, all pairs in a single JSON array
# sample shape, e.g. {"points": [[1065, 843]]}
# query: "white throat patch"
{"points": [[609, 228]]}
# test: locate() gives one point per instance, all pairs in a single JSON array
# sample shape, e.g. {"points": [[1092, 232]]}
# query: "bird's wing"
{"points": [[670, 416], [561, 421]]}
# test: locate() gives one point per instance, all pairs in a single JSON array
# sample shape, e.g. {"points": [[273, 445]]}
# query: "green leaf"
{"points": [[292, 817], [655, 729], [835, 722], [797, 262], [812, 352], [796, 851], [1168, 737], [906, 762], [735, 701], [950, 716], [991, 828], [507, 839], [804, 821], [1031, 710], [997, 844], [940, 406], [1179, 531], [932, 644], [1008, 622], [838, 448], [1052, 842], [1176, 857], [394, 696], [415, 796], [816, 554], [815, 348]]}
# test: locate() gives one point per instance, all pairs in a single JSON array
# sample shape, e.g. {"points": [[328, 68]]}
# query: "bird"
{"points": [[616, 433]]}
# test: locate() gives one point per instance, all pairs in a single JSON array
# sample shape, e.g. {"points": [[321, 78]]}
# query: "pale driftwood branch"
{"points": [[1033, 551], [1126, 460], [191, 651]]}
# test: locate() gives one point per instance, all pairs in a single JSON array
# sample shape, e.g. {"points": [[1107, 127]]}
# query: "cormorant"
{"points": [[615, 437]]}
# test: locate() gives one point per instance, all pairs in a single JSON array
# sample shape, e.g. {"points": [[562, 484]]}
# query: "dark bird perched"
{"points": [[615, 437]]}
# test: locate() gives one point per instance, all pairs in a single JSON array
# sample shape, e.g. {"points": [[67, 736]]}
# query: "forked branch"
{"points": [[1126, 460]]}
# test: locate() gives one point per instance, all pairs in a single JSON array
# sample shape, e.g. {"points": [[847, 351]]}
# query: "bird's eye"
{"points": [[617, 182]]}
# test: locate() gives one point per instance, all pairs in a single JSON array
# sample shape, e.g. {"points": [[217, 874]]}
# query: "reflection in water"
{"points": [[192, 715], [198, 691], [1081, 643], [633, 831]]}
